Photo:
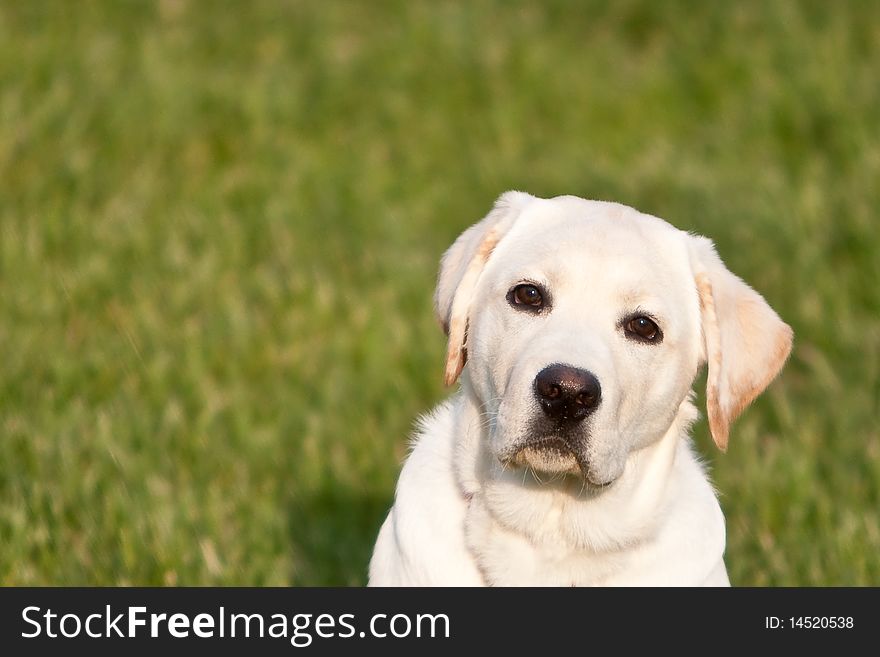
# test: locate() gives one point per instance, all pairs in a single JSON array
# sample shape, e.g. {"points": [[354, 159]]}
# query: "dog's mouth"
{"points": [[553, 456]]}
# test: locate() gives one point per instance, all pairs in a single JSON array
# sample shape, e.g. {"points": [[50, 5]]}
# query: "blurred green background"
{"points": [[220, 225]]}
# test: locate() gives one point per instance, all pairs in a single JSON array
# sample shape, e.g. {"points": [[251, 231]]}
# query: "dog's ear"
{"points": [[460, 269], [745, 341]]}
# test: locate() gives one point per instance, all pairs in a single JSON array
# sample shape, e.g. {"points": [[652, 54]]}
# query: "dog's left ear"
{"points": [[745, 341], [460, 269]]}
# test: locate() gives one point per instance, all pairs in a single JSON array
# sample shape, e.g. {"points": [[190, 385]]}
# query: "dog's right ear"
{"points": [[460, 269], [745, 341]]}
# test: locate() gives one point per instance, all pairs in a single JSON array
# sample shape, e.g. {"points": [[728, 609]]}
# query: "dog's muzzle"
{"points": [[557, 440]]}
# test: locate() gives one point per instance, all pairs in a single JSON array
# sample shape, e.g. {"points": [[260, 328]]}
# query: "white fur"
{"points": [[636, 508]]}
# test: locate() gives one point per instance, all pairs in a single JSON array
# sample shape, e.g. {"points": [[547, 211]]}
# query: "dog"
{"points": [[565, 459]]}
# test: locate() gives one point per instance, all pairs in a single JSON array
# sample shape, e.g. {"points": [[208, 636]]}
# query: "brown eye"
{"points": [[643, 328], [527, 296]]}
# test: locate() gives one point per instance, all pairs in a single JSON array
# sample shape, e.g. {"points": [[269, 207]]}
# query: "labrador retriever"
{"points": [[565, 459]]}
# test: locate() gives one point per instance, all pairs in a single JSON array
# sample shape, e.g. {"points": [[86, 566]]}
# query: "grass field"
{"points": [[220, 226]]}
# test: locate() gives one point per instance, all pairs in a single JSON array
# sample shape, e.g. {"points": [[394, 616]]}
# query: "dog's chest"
{"points": [[508, 558]]}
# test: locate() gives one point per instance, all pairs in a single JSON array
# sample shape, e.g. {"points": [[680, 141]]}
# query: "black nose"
{"points": [[567, 393]]}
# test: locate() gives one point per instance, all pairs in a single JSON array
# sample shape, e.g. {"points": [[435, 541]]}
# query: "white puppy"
{"points": [[565, 457]]}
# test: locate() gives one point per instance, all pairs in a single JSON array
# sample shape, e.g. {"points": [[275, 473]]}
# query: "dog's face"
{"points": [[583, 329], [584, 337]]}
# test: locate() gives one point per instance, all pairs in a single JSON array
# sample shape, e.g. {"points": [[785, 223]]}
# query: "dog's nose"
{"points": [[567, 393]]}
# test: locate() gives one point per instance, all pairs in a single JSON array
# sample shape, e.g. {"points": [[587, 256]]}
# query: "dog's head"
{"points": [[583, 325]]}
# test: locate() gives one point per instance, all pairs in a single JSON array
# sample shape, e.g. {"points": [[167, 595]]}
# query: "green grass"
{"points": [[220, 227]]}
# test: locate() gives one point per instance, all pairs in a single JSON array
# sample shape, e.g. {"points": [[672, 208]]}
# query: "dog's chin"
{"points": [[554, 458], [551, 456]]}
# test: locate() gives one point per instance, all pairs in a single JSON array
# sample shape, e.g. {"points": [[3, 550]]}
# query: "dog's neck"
{"points": [[563, 510]]}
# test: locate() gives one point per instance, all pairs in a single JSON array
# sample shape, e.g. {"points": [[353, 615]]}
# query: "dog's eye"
{"points": [[642, 328], [526, 296]]}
